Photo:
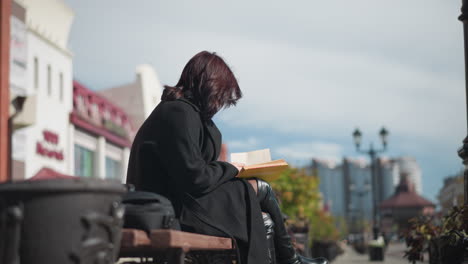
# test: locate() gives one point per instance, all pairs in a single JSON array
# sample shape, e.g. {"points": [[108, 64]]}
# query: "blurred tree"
{"points": [[342, 226], [301, 201]]}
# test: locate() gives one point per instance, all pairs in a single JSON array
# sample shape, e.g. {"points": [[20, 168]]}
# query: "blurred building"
{"points": [[388, 176], [100, 136], [138, 98], [451, 194], [42, 73], [410, 167], [405, 204], [331, 186], [347, 187], [63, 128], [358, 191]]}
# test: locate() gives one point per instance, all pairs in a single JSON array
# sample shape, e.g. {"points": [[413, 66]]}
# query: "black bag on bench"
{"points": [[147, 211]]}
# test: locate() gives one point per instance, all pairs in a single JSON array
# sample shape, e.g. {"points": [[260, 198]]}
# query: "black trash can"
{"points": [[60, 221], [376, 253]]}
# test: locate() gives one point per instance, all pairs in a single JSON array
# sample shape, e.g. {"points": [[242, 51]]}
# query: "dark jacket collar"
{"points": [[195, 107]]}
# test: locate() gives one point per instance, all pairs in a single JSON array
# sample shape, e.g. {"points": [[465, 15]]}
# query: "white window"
{"points": [[36, 73], [113, 169], [61, 86], [95, 109], [84, 161], [118, 120], [49, 80], [95, 113], [80, 104], [106, 114]]}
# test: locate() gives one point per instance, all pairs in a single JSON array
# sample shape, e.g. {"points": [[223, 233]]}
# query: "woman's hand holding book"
{"points": [[239, 166]]}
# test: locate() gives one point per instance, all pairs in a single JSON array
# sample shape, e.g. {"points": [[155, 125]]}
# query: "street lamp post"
{"points": [[5, 12], [463, 151], [18, 104], [372, 152]]}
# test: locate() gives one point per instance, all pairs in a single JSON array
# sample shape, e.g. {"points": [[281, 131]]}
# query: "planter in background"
{"points": [[302, 244], [326, 249], [60, 221], [360, 246], [433, 250], [441, 251], [376, 253], [449, 253], [377, 249]]}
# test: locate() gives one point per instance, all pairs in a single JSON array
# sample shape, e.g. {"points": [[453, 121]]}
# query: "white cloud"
{"points": [[305, 151], [325, 91], [308, 69], [248, 144], [302, 70]]}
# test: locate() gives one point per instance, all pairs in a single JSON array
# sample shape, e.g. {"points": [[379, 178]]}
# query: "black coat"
{"points": [[175, 154]]}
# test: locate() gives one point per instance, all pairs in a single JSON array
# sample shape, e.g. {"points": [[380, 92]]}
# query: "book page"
{"points": [[240, 157], [252, 157], [270, 164]]}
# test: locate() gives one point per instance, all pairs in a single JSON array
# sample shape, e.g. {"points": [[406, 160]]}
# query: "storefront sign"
{"points": [[51, 139]]}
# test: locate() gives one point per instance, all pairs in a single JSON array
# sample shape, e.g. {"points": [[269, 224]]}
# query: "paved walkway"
{"points": [[394, 255]]}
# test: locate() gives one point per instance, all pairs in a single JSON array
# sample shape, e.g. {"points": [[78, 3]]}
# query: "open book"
{"points": [[259, 164]]}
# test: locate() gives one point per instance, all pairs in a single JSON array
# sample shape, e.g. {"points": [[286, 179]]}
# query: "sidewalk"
{"points": [[394, 255]]}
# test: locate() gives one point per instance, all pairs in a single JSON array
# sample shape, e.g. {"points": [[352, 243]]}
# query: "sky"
{"points": [[311, 71]]}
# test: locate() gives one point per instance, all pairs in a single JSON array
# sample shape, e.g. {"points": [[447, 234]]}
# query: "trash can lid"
{"points": [[64, 185]]}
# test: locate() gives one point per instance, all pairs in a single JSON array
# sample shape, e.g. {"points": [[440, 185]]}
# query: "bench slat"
{"points": [[134, 238], [166, 238]]}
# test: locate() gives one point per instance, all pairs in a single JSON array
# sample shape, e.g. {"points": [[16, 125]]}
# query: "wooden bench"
{"points": [[175, 246]]}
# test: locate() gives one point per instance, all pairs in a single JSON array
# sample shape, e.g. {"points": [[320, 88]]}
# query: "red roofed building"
{"points": [[48, 173], [94, 140], [101, 132], [404, 205]]}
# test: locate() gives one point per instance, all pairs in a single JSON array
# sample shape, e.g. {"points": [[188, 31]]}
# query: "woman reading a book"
{"points": [[175, 154]]}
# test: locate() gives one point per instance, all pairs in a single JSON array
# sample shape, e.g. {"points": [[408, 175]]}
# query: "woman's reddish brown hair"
{"points": [[208, 82]]}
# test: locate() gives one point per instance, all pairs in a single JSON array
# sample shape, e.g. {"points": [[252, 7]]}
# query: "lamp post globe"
{"points": [[384, 136], [357, 136]]}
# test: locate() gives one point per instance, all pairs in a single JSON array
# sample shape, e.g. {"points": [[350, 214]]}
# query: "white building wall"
{"points": [[410, 167], [71, 150], [52, 93], [125, 159], [46, 38], [52, 112], [151, 87], [101, 158], [50, 18]]}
